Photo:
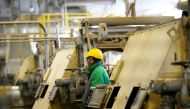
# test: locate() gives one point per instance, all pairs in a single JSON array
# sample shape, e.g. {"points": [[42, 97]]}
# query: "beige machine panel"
{"points": [[29, 65], [143, 58], [61, 61]]}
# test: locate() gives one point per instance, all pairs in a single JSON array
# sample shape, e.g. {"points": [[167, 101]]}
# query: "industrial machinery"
{"points": [[49, 95], [174, 93], [64, 81], [29, 78], [130, 78], [142, 78], [147, 56], [112, 33], [152, 73]]}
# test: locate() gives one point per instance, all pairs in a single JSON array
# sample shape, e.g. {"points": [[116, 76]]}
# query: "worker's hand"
{"points": [[101, 86], [82, 82], [83, 69]]}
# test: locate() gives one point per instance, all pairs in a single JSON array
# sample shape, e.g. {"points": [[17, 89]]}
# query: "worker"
{"points": [[95, 71], [97, 75]]}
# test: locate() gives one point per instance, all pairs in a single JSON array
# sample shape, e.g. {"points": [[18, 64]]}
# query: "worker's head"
{"points": [[94, 55]]}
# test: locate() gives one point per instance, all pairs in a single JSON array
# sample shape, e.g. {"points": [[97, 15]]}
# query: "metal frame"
{"points": [[115, 21]]}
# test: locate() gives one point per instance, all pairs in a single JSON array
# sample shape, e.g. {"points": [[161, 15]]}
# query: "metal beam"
{"points": [[26, 22], [50, 38], [89, 2], [27, 39], [26, 34], [117, 30], [115, 21]]}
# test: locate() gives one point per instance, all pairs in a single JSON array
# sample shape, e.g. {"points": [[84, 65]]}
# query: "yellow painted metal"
{"points": [[5, 90], [65, 58], [75, 17], [46, 76], [118, 21], [116, 71], [153, 102], [48, 25], [29, 65], [40, 29], [176, 51], [148, 56]]}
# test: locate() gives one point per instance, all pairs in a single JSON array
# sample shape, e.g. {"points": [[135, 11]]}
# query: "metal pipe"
{"points": [[46, 48], [126, 6], [50, 38], [156, 86], [41, 40], [115, 21], [2, 52], [81, 49], [26, 22], [27, 38], [188, 33], [24, 34], [165, 87], [61, 83], [65, 12], [88, 2], [23, 41], [173, 86], [19, 11], [117, 30], [31, 33], [58, 44]]}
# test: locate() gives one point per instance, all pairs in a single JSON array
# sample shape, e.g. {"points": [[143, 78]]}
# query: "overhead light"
{"points": [[94, 26], [24, 30], [14, 87], [31, 6], [32, 9]]}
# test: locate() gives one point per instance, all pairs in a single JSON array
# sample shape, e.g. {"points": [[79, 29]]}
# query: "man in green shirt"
{"points": [[97, 74], [95, 71]]}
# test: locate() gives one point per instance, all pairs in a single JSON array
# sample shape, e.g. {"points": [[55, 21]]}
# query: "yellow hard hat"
{"points": [[95, 52]]}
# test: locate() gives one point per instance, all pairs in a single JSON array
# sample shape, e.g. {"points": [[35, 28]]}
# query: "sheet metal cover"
{"points": [[143, 57], [60, 63]]}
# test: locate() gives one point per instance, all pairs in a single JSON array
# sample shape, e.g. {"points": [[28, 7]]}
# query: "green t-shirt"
{"points": [[98, 75]]}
